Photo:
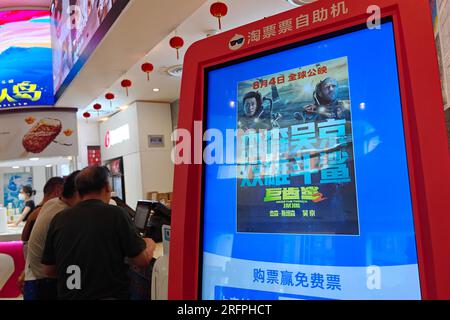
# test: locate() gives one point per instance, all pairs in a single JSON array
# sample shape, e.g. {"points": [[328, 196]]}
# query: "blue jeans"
{"points": [[41, 289], [29, 290]]}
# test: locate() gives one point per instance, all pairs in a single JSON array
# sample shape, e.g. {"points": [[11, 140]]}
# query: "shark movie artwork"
{"points": [[296, 171]]}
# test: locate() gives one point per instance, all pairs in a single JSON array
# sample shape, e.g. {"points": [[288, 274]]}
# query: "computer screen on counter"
{"points": [[318, 222], [142, 215]]}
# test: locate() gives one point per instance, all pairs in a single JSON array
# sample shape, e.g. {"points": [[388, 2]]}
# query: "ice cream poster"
{"points": [[296, 170], [38, 134]]}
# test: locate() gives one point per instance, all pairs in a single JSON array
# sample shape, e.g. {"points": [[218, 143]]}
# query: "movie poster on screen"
{"points": [[296, 170]]}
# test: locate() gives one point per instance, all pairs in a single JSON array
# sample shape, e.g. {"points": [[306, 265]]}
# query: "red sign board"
{"points": [[94, 156]]}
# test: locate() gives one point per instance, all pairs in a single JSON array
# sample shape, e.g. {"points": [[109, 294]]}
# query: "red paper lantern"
{"points": [[97, 107], [110, 96], [86, 115], [177, 43], [147, 68], [126, 84], [219, 9]]}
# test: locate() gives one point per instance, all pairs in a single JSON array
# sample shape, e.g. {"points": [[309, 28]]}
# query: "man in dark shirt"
{"points": [[87, 244]]}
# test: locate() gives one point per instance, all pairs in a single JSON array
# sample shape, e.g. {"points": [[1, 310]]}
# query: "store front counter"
{"points": [[12, 263], [12, 234]]}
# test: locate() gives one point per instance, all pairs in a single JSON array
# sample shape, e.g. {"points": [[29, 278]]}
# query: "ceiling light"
{"points": [[48, 166], [123, 108], [34, 159], [156, 90], [69, 158], [298, 3], [16, 167], [175, 71], [104, 119]]}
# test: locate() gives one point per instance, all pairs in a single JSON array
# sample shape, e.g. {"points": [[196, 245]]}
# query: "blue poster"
{"points": [[12, 184], [331, 217]]}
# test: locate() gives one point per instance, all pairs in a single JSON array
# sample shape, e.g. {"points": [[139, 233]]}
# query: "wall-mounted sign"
{"points": [[25, 59], [46, 132], [117, 136], [94, 156], [156, 141]]}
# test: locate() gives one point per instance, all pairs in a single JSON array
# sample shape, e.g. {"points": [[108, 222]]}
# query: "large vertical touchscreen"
{"points": [[316, 203]]}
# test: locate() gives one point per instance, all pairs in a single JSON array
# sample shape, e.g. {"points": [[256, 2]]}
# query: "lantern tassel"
{"points": [[220, 23], [127, 90], [148, 76], [178, 55]]}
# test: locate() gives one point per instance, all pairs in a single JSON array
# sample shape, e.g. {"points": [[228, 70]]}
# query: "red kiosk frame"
{"points": [[424, 126]]}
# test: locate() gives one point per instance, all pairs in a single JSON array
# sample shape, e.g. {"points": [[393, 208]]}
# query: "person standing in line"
{"points": [[87, 245], [52, 189], [37, 285]]}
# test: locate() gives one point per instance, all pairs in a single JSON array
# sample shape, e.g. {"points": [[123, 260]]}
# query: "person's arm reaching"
{"points": [[30, 224], [146, 256], [50, 271], [25, 212]]}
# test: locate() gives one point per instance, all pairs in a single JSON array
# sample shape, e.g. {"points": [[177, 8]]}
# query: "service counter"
{"points": [[12, 262], [12, 234]]}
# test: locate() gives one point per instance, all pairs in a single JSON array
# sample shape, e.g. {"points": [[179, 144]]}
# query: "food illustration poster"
{"points": [[42, 134], [12, 183], [305, 183]]}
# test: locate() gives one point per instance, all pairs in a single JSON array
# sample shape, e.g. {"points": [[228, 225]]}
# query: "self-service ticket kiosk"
{"points": [[152, 220], [336, 182]]}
